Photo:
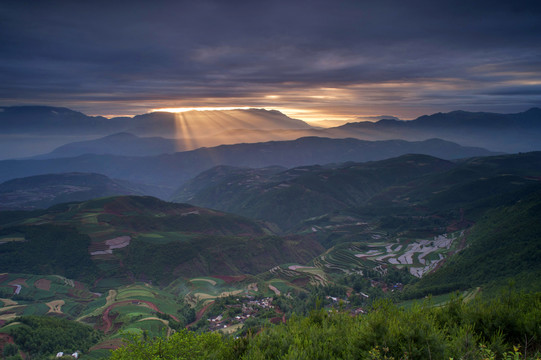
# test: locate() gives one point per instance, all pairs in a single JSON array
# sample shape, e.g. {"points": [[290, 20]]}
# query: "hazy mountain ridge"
{"points": [[46, 119], [34, 130], [289, 197], [26, 119], [172, 170], [42, 191], [124, 144], [498, 132]]}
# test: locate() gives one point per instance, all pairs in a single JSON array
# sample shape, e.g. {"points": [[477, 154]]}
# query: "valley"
{"points": [[155, 266], [236, 238]]}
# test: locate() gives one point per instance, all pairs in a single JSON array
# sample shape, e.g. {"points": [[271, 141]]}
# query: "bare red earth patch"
{"points": [[301, 281], [200, 314], [19, 281], [43, 284], [4, 340]]}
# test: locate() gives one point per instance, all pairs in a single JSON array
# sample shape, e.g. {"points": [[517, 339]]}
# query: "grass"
{"points": [[281, 285], [163, 237], [110, 283], [135, 292], [11, 239], [36, 309], [98, 310], [133, 310], [97, 354], [211, 280], [440, 300], [231, 329], [154, 327], [93, 307]]}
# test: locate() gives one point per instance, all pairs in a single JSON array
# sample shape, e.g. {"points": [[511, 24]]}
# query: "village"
{"points": [[245, 308], [234, 315]]}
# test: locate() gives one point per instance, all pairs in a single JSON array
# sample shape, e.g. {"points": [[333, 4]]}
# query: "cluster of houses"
{"points": [[246, 308], [249, 306]]}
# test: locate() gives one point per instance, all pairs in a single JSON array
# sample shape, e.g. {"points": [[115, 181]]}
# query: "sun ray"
{"points": [[185, 137]]}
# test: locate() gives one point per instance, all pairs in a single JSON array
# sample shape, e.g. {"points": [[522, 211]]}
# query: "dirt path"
{"points": [[274, 289], [55, 306], [8, 302], [199, 314]]}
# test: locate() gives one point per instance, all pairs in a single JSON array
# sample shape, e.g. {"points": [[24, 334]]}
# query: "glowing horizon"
{"points": [[306, 115], [202, 108]]}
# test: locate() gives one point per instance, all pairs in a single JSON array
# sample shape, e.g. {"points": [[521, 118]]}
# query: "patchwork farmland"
{"points": [[419, 256]]}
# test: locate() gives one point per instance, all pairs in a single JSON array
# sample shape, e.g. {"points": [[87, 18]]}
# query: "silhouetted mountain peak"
{"points": [[534, 110]]}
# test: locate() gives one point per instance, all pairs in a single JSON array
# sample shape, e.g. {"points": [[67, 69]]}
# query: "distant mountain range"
{"points": [[172, 170], [33, 130], [124, 144], [36, 130], [55, 120], [501, 132]]}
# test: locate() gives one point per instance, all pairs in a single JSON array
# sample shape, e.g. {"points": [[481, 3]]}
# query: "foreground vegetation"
{"points": [[40, 336], [506, 327]]}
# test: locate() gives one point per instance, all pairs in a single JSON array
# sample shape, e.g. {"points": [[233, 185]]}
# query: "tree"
{"points": [[182, 345]]}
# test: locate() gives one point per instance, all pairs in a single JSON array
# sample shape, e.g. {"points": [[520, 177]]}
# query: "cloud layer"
{"points": [[320, 59]]}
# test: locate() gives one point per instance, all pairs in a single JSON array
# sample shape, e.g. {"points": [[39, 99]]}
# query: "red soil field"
{"points": [[43, 284]]}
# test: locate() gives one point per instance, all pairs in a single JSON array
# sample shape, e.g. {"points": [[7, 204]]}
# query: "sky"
{"points": [[311, 59]]}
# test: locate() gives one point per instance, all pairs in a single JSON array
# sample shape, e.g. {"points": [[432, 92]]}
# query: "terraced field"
{"points": [[418, 255], [50, 295], [203, 290], [294, 276]]}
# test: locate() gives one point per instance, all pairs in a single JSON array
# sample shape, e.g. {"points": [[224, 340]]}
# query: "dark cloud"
{"points": [[110, 55], [525, 90]]}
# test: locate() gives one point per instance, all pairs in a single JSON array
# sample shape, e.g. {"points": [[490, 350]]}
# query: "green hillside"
{"points": [[46, 249], [504, 246], [127, 238], [289, 197], [409, 213]]}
